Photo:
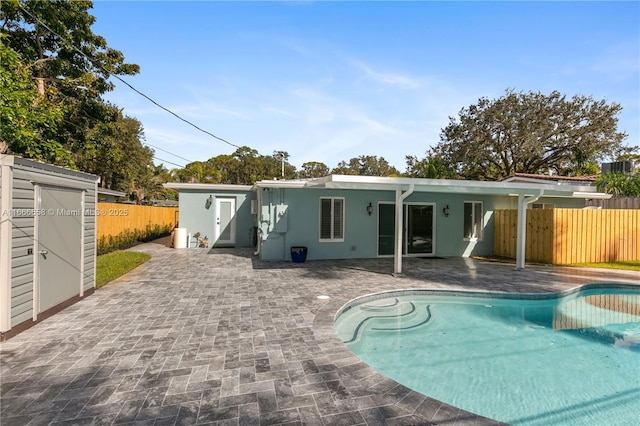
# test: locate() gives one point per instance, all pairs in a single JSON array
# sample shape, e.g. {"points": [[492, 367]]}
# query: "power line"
{"points": [[168, 152], [124, 82], [165, 161]]}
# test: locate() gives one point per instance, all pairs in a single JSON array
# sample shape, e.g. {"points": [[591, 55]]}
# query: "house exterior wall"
{"points": [[290, 217], [20, 178], [196, 217]]}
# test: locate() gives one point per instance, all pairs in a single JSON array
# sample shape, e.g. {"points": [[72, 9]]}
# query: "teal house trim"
{"points": [[351, 217]]}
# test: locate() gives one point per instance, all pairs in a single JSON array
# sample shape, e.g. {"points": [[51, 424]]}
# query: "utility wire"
{"points": [[168, 152], [165, 161], [123, 81]]}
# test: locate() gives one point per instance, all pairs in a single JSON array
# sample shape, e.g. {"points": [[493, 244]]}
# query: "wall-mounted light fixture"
{"points": [[445, 211], [208, 203], [369, 209]]}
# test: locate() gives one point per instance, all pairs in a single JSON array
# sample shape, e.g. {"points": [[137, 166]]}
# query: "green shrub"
{"points": [[131, 237]]}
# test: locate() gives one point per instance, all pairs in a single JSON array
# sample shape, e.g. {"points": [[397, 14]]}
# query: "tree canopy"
{"points": [[530, 133], [313, 169], [55, 70], [366, 165], [620, 184], [244, 167]]}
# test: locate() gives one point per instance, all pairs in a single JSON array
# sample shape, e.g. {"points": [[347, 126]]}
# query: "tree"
{"points": [[69, 67], [431, 167], [530, 133], [620, 184], [313, 169], [23, 116], [114, 151], [366, 165], [198, 172], [246, 166]]}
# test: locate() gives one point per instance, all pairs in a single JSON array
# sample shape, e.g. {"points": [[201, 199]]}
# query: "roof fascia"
{"points": [[460, 186], [280, 184], [207, 186]]}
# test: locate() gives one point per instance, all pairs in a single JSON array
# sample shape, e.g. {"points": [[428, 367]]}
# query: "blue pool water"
{"points": [[570, 359]]}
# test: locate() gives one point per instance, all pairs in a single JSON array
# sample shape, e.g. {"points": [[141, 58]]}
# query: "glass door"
{"points": [[418, 235], [419, 229], [386, 229]]}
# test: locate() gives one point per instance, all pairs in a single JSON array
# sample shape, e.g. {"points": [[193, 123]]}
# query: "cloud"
{"points": [[280, 112], [387, 79]]}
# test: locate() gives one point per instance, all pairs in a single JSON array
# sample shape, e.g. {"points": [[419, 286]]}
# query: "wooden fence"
{"points": [[113, 218], [615, 203], [566, 236]]}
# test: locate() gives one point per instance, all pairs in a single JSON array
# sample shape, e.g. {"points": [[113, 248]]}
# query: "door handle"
{"points": [[43, 251]]}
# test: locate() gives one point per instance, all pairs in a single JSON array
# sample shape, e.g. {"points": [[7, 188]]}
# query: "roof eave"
{"points": [[206, 186]]}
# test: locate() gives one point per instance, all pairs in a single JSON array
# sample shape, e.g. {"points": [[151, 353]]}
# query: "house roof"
{"points": [[207, 186], [513, 188], [106, 191], [559, 180], [522, 186]]}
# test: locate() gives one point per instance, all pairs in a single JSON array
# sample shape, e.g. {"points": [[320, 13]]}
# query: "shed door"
{"points": [[59, 249], [225, 221]]}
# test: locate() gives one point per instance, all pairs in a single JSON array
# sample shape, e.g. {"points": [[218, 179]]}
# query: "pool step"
{"points": [[383, 315]]}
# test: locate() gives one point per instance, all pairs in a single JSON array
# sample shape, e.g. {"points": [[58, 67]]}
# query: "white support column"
{"points": [[521, 232], [521, 240], [6, 204], [397, 254]]}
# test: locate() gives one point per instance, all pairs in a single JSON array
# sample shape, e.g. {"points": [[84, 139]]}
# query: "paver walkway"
{"points": [[196, 337]]}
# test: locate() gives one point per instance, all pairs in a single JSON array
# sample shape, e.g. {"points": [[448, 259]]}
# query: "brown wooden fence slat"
{"points": [[114, 219], [565, 236]]}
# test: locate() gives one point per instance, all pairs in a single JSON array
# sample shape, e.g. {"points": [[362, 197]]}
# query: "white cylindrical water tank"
{"points": [[180, 238]]}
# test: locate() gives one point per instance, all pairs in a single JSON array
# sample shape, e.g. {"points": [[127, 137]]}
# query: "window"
{"points": [[331, 219], [473, 220], [542, 205]]}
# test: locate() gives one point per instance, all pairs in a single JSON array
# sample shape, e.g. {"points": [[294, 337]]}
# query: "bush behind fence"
{"points": [[124, 225]]}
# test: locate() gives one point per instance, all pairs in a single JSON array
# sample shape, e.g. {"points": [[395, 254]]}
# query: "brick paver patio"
{"points": [[196, 337]]}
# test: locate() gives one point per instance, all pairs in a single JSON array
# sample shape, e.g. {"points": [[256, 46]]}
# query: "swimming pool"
{"points": [[565, 358]]}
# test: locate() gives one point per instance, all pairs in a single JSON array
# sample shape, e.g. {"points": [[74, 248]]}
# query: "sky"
{"points": [[330, 81]]}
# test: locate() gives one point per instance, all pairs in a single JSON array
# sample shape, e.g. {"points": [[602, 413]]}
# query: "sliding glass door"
{"points": [[418, 232]]}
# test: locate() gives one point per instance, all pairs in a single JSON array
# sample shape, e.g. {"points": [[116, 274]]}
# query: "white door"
{"points": [[225, 228]]}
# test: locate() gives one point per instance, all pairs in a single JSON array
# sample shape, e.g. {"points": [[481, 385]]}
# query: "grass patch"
{"points": [[629, 265], [117, 263]]}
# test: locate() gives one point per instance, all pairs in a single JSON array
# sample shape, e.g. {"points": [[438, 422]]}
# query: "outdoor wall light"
{"points": [[445, 211], [208, 203], [369, 209]]}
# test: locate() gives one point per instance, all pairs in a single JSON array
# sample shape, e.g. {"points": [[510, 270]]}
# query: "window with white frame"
{"points": [[473, 220], [331, 219]]}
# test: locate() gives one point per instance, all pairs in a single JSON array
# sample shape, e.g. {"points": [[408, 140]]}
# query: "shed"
{"points": [[47, 240]]}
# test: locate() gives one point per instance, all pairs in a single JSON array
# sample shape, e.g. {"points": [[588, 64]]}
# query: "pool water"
{"points": [[569, 360]]}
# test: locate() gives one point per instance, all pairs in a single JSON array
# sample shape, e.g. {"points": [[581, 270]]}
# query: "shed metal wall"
{"points": [[20, 211]]}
